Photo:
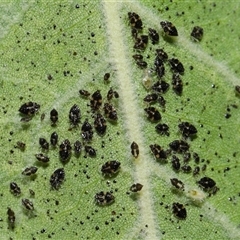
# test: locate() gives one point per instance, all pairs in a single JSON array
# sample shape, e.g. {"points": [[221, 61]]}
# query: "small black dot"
{"points": [[227, 115]]}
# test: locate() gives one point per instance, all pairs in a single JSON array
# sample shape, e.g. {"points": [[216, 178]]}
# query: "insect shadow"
{"points": [[168, 39], [41, 164], [135, 196], [110, 176]]}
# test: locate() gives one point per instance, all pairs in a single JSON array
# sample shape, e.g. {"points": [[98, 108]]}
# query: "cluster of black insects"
{"points": [[158, 88], [108, 169], [111, 168]]}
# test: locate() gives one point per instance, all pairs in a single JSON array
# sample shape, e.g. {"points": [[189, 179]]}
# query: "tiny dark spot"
{"points": [[226, 169], [227, 115]]}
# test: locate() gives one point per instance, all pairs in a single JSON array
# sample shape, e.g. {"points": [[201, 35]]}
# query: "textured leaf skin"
{"points": [[49, 51]]}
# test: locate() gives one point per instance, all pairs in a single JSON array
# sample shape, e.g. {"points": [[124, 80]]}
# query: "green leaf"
{"points": [[51, 50]]}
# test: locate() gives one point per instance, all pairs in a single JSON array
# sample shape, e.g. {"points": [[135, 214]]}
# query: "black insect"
{"points": [[134, 149], [162, 101], [103, 198], [187, 129], [153, 114], [177, 183], [57, 178], [84, 93], [29, 171], [176, 66], [179, 210], [158, 152], [11, 217], [162, 129], [112, 93], [196, 170], [161, 54], [96, 100], [27, 204], [29, 108], [176, 163], [54, 116], [110, 167], [169, 28], [65, 151], [142, 64], [134, 33], [141, 42], [43, 143], [54, 139], [160, 86], [151, 98], [77, 147], [21, 145], [177, 84], [186, 168], [42, 158], [91, 151], [74, 115], [179, 146], [136, 187], [159, 67], [197, 33], [86, 126], [196, 158], [110, 112], [87, 132], [206, 183], [15, 189], [100, 124], [237, 88], [153, 35], [106, 76], [137, 57], [186, 157], [32, 193], [134, 20]]}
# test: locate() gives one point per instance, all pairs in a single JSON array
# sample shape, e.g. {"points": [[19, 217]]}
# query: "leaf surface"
{"points": [[49, 51]]}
